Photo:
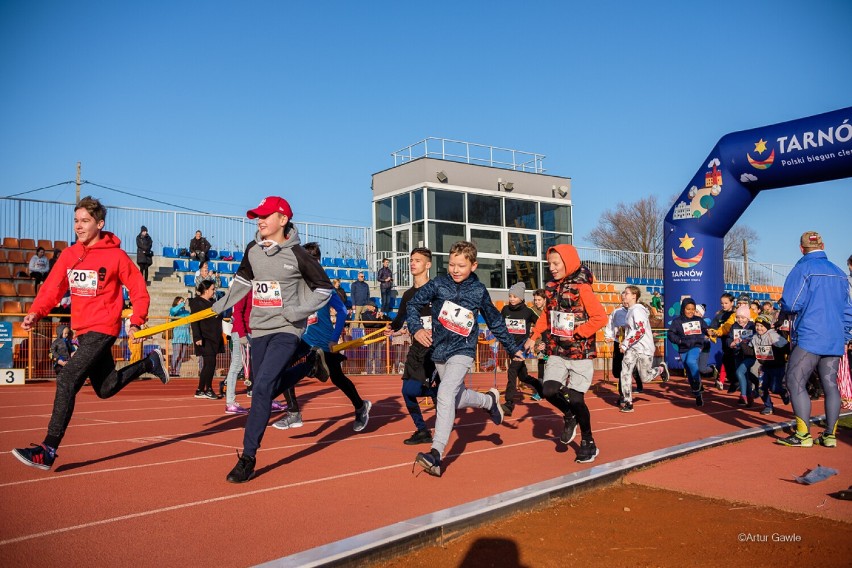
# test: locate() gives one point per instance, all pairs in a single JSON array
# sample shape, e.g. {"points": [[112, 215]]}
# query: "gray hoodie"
{"points": [[287, 283]]}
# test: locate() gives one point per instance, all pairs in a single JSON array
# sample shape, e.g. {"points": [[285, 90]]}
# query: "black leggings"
{"points": [[208, 369]]}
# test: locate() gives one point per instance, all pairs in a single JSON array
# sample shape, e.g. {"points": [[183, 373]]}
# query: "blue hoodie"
{"points": [[817, 293], [470, 294], [687, 333]]}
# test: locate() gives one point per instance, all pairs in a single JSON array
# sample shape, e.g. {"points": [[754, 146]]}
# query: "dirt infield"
{"points": [[635, 525]]}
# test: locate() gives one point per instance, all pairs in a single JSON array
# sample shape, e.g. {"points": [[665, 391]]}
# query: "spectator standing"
{"points": [[342, 293], [816, 293], [360, 296], [181, 338], [204, 273], [199, 248], [385, 278], [39, 267], [144, 254], [61, 349]]}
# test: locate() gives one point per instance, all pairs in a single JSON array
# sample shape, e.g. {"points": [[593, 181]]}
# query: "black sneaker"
{"points": [[785, 397], [37, 455], [664, 372], [199, 393], [320, 369], [211, 395], [570, 430], [419, 437], [627, 407], [588, 452], [430, 463], [507, 410], [496, 411], [362, 416], [222, 388], [158, 366], [243, 471], [699, 399]]}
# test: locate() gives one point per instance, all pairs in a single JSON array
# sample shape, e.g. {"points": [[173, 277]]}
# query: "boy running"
{"points": [[94, 269], [571, 317], [288, 285], [456, 298]]}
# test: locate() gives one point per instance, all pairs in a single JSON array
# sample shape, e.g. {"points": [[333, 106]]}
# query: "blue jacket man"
{"points": [[360, 296], [816, 293]]}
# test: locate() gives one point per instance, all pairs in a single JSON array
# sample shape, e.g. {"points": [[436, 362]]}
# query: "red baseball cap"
{"points": [[270, 205]]}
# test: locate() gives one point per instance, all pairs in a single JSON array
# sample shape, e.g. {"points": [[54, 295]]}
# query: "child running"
{"points": [[519, 320], [687, 333], [637, 346], [456, 298], [770, 349], [288, 285], [94, 269], [571, 317], [419, 378]]}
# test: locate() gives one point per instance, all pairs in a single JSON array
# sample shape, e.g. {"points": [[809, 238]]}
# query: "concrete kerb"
{"points": [[442, 526]]}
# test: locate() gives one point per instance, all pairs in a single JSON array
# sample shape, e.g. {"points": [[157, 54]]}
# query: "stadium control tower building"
{"points": [[441, 191]]}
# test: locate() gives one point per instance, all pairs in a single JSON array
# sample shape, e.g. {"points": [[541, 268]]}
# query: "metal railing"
{"points": [[29, 218], [470, 153]]}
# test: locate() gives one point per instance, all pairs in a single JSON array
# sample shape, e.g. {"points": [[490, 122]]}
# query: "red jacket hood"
{"points": [[569, 257]]}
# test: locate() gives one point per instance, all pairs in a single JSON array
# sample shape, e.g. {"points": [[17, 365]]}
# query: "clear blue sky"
{"points": [[213, 105]]}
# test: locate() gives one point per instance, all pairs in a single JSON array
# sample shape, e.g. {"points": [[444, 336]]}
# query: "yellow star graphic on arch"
{"points": [[686, 242], [760, 146]]}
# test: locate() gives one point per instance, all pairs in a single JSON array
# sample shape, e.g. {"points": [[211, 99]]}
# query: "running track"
{"points": [[140, 478]]}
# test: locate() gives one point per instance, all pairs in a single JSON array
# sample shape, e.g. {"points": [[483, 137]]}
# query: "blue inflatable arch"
{"points": [[742, 164]]}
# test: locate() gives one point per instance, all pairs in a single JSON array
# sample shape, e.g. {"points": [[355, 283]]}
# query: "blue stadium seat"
{"points": [[224, 253], [353, 274], [180, 265], [347, 287], [331, 273], [351, 263], [212, 254], [396, 302], [362, 264], [224, 282], [170, 252], [189, 280], [194, 265], [238, 256], [326, 261], [339, 262]]}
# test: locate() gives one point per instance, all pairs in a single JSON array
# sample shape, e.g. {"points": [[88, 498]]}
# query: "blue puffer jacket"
{"points": [[470, 294], [687, 333], [817, 293]]}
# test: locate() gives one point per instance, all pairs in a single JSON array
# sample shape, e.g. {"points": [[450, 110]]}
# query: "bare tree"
{"points": [[634, 226], [734, 241]]}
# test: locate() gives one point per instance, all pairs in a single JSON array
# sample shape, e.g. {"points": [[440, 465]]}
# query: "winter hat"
{"points": [[743, 298], [144, 228], [744, 311], [699, 310], [764, 320], [811, 240], [518, 290]]}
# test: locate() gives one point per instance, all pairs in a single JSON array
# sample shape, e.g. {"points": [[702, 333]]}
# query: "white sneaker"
{"points": [[290, 420]]}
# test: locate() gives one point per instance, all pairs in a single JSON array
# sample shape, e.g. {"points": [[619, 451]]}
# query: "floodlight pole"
{"points": [[76, 201]]}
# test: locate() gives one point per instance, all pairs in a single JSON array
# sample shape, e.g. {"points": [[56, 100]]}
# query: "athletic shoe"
{"points": [[588, 452], [785, 397], [290, 420], [362, 416], [200, 394], [750, 400], [235, 409], [496, 411], [569, 432], [699, 399], [419, 437], [719, 385], [37, 455], [320, 369], [243, 471], [627, 407], [733, 387], [766, 410], [158, 366], [222, 388], [278, 407], [536, 397], [827, 440], [211, 395], [430, 463], [796, 441], [248, 392], [742, 401], [507, 410], [664, 372]]}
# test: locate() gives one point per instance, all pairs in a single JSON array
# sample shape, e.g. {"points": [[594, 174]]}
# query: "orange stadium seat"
{"points": [[5, 272], [12, 307], [18, 256], [61, 245], [26, 289], [17, 330], [27, 244], [45, 244], [7, 289], [2, 255], [10, 243], [27, 307]]}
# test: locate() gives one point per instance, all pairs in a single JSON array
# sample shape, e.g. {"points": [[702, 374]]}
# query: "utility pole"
{"points": [[745, 261], [76, 201]]}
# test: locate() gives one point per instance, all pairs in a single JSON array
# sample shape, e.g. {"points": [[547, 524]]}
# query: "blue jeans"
{"points": [[773, 382], [744, 374], [386, 300], [411, 390], [690, 365]]}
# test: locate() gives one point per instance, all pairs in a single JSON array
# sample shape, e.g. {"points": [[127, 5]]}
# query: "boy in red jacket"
{"points": [[567, 325], [94, 268]]}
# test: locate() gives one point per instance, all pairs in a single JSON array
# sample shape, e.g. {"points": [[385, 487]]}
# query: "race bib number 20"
{"points": [[83, 282], [266, 294]]}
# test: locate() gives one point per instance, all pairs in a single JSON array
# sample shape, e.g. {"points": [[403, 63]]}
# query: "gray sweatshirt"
{"points": [[287, 284]]}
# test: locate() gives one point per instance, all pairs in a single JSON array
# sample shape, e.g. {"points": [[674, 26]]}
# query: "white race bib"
{"points": [[456, 318], [692, 328], [562, 324], [743, 334], [764, 353], [83, 282], [516, 326], [266, 294], [426, 321], [312, 319]]}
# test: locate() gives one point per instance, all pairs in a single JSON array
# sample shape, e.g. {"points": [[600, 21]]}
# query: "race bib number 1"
{"points": [[83, 282], [266, 294], [562, 324], [456, 318]]}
